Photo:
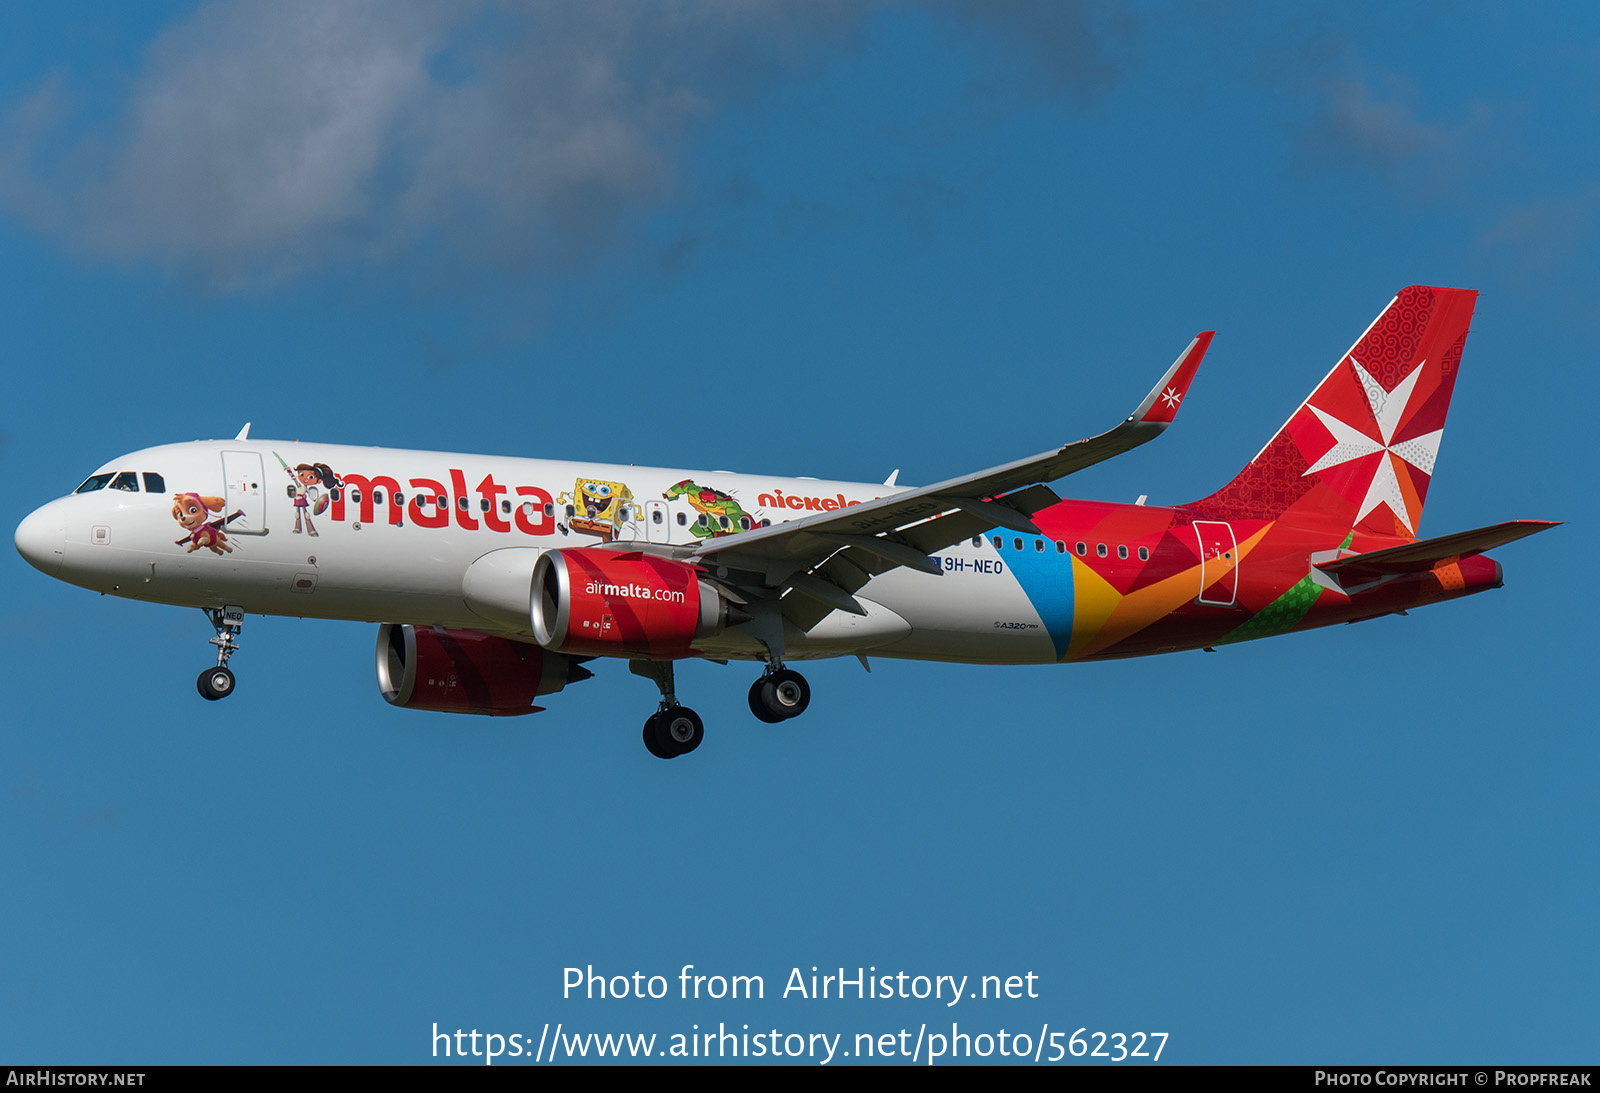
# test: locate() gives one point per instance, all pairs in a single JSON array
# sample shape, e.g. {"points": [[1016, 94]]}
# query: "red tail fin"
{"points": [[1359, 451]]}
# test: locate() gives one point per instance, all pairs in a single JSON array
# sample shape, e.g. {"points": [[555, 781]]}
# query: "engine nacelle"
{"points": [[608, 603], [463, 671]]}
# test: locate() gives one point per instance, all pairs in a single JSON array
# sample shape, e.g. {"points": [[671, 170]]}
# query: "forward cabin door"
{"points": [[1219, 562], [245, 492]]}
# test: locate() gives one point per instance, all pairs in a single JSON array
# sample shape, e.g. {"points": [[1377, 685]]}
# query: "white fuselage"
{"points": [[369, 555]]}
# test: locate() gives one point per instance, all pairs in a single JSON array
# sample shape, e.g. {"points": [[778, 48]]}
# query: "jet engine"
{"points": [[607, 603], [463, 671]]}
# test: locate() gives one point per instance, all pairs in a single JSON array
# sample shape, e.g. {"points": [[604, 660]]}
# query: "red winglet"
{"points": [[1162, 404]]}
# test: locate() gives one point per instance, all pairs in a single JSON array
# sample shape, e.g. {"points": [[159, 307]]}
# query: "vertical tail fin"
{"points": [[1359, 452]]}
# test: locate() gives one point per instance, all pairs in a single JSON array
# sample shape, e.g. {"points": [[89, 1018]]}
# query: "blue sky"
{"points": [[830, 239]]}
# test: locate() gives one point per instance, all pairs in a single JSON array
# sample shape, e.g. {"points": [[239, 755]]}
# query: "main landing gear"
{"points": [[215, 683], [779, 694], [673, 730]]}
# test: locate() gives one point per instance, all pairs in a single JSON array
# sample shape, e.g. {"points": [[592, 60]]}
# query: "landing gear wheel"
{"points": [[653, 742], [674, 731], [782, 694], [758, 705], [681, 729], [215, 683]]}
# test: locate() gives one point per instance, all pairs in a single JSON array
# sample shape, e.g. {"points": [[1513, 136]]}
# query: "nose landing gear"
{"points": [[215, 683]]}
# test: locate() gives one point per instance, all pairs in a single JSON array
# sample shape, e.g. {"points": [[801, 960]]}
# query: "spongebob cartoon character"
{"points": [[720, 513], [595, 506]]}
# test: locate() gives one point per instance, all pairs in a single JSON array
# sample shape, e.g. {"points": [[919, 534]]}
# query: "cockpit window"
{"points": [[127, 480], [97, 482], [154, 483]]}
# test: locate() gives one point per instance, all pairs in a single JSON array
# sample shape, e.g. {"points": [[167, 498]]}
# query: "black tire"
{"points": [[758, 706], [681, 729], [655, 741], [215, 683], [785, 694]]}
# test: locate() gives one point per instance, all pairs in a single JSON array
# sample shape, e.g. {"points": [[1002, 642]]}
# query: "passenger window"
{"points": [[1061, 548], [1101, 550], [977, 540], [483, 504], [400, 500], [98, 482], [1083, 548], [744, 522], [355, 496], [723, 523], [127, 481], [154, 483], [704, 520], [1122, 552], [505, 507], [998, 542], [1016, 544], [571, 512], [377, 497], [464, 503], [549, 508], [655, 517], [1038, 545], [1144, 554], [442, 501], [682, 520]]}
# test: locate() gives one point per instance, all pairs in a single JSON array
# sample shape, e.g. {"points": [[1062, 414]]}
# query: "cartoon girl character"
{"points": [[190, 510], [307, 477]]}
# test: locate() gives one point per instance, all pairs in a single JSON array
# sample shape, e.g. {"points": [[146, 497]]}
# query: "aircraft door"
{"points": [[657, 522], [625, 526], [1219, 562], [244, 488]]}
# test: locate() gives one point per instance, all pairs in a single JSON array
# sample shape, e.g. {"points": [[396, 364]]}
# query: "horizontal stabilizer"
{"points": [[1424, 554]]}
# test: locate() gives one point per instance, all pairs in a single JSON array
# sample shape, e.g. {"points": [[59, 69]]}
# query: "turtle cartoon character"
{"points": [[720, 513]]}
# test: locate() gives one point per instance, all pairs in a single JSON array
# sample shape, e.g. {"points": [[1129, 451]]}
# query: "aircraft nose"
{"points": [[42, 538]]}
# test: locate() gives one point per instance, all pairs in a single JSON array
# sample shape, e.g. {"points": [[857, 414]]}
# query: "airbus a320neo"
{"points": [[495, 581]]}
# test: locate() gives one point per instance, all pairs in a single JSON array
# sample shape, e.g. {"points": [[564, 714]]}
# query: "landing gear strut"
{"points": [[673, 730], [779, 694], [215, 683]]}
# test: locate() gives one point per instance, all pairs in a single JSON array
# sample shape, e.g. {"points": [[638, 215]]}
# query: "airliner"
{"points": [[495, 581]]}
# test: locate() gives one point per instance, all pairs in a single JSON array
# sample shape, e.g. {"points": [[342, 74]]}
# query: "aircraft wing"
{"points": [[847, 547]]}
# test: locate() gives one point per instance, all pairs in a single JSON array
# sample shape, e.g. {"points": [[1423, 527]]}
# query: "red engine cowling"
{"points": [[463, 671], [608, 603]]}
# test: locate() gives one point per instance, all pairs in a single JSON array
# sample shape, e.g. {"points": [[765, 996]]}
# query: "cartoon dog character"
{"points": [[190, 510]]}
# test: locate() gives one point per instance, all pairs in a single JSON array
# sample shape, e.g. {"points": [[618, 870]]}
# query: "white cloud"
{"points": [[262, 137]]}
